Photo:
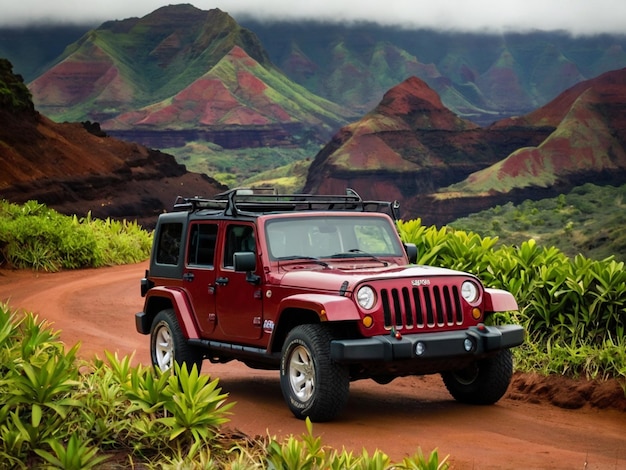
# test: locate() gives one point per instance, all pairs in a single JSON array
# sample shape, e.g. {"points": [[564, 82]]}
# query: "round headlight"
{"points": [[469, 291], [366, 297]]}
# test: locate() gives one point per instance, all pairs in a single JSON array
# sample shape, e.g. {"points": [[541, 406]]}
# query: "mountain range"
{"points": [[178, 71], [482, 77], [412, 148], [398, 114]]}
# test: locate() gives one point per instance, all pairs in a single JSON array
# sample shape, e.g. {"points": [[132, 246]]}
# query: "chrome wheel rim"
{"points": [[163, 348], [302, 373]]}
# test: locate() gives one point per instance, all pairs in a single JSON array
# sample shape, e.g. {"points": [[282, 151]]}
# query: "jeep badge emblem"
{"points": [[420, 282]]}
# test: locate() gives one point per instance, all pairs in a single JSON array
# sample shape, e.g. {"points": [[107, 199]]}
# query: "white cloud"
{"points": [[576, 16]]}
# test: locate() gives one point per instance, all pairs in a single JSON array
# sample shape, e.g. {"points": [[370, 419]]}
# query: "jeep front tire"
{"points": [[482, 383], [168, 344], [313, 385]]}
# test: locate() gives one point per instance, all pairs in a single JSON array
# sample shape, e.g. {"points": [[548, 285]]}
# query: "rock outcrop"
{"points": [[440, 167], [75, 168]]}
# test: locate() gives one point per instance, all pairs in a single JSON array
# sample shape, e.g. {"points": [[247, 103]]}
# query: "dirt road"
{"points": [[523, 430]]}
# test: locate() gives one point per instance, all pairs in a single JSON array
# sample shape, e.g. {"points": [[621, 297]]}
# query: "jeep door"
{"points": [[239, 302], [199, 273]]}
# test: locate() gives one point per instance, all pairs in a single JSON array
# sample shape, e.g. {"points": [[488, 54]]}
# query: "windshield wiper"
{"points": [[355, 252], [307, 258]]}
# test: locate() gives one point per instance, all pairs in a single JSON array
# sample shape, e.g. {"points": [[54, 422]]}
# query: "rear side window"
{"points": [[202, 239], [168, 247]]}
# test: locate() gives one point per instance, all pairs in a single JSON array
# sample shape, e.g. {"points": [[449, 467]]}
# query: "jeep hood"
{"points": [[333, 279]]}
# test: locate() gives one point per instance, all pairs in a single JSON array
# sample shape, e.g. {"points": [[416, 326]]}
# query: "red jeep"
{"points": [[322, 289]]}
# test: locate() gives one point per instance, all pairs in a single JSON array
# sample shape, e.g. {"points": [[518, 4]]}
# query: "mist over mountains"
{"points": [[482, 77]]}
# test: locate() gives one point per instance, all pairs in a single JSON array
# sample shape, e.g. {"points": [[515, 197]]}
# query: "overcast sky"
{"points": [[575, 16]]}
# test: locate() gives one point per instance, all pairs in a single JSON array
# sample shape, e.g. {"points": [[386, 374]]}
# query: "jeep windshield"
{"points": [[338, 237]]}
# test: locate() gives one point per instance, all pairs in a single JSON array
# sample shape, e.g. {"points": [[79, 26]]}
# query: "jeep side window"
{"points": [[168, 248], [202, 240], [238, 238]]}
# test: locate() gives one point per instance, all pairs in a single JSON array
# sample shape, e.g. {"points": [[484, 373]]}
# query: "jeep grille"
{"points": [[422, 307]]}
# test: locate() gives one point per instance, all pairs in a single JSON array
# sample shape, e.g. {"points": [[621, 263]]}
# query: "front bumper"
{"points": [[476, 341]]}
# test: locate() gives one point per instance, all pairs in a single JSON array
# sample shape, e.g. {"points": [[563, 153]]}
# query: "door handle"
{"points": [[221, 281], [188, 277]]}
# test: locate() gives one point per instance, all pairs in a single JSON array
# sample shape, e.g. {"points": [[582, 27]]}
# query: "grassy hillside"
{"points": [[277, 166], [128, 64], [589, 220], [478, 76], [286, 179]]}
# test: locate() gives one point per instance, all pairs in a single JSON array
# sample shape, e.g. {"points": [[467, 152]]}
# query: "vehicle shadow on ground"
{"points": [[424, 396]]}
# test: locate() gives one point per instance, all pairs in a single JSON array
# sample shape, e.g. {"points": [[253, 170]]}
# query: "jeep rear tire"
{"points": [[482, 383], [168, 344], [312, 384]]}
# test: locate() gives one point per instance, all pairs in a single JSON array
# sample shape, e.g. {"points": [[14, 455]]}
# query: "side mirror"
{"points": [[245, 261], [411, 252]]}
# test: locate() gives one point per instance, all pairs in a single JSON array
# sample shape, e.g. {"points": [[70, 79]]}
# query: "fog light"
{"points": [[420, 348], [468, 344]]}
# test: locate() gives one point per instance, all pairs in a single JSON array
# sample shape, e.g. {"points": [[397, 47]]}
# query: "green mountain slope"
{"points": [[128, 64], [237, 91], [589, 139], [478, 76], [589, 220]]}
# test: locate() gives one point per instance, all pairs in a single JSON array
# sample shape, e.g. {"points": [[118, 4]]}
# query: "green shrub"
{"points": [[58, 410], [14, 94], [33, 236], [307, 452], [568, 304]]}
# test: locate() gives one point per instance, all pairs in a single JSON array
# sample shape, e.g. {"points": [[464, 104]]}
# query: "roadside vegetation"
{"points": [[573, 309], [32, 236], [60, 412], [590, 220]]}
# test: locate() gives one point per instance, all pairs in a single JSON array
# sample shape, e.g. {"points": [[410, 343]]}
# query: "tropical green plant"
{"points": [[573, 304], [76, 455], [308, 453], [38, 379], [195, 408], [421, 462], [35, 388], [60, 412]]}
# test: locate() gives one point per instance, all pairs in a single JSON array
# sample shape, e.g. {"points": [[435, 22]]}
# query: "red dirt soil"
{"points": [[553, 422]]}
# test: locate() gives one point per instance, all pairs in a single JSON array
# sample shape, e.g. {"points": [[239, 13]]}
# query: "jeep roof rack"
{"points": [[256, 201]]}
